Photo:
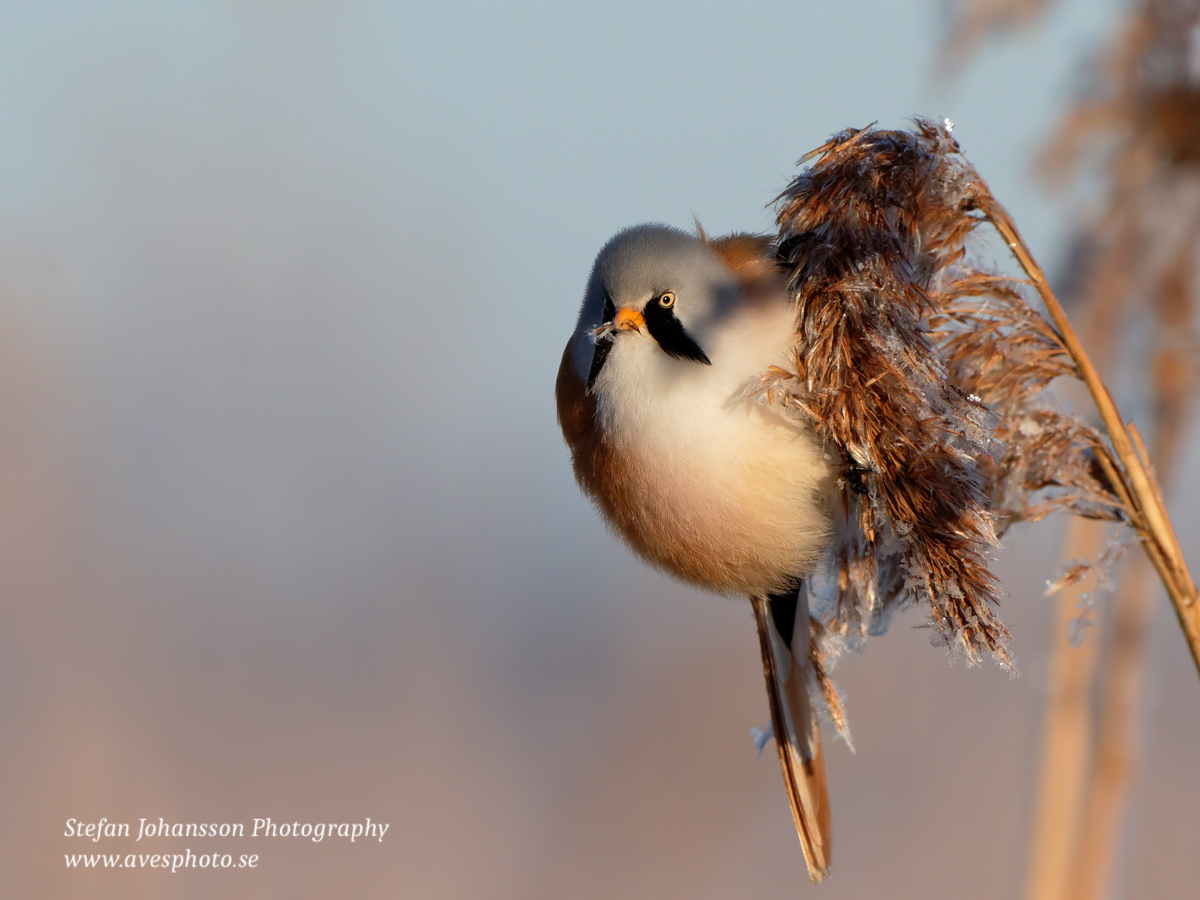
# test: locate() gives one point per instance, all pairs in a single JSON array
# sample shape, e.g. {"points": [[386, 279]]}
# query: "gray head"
{"points": [[659, 281]]}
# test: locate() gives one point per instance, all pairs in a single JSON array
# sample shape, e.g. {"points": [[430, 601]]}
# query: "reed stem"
{"points": [[1136, 479]]}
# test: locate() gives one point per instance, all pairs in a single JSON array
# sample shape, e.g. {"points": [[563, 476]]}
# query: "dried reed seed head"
{"points": [[926, 372]]}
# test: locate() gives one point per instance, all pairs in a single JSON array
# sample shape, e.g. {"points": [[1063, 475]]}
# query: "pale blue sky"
{"points": [[375, 220]]}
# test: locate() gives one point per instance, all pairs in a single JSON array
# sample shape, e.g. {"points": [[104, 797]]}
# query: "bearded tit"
{"points": [[694, 469]]}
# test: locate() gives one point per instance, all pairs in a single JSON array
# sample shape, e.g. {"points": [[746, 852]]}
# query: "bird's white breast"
{"points": [[724, 490]]}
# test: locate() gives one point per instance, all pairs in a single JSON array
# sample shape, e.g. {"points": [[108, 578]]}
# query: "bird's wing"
{"points": [[794, 721], [750, 257]]}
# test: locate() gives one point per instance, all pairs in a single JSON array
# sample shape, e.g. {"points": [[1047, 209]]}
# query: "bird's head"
{"points": [[658, 291]]}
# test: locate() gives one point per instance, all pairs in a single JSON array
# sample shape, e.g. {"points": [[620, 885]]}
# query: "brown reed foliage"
{"points": [[1136, 126], [926, 373], [1109, 779], [1134, 132]]}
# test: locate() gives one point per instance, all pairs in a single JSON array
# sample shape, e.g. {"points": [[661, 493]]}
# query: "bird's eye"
{"points": [[667, 300]]}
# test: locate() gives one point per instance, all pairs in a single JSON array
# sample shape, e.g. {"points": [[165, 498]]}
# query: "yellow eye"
{"points": [[667, 300]]}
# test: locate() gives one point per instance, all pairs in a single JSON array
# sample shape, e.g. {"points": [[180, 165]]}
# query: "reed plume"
{"points": [[925, 373]]}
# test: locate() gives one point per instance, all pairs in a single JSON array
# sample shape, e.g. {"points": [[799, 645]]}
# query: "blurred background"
{"points": [[287, 527]]}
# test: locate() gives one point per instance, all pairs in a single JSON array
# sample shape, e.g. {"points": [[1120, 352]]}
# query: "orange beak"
{"points": [[629, 320]]}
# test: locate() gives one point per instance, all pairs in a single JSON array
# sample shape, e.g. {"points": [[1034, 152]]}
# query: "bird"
{"points": [[694, 469]]}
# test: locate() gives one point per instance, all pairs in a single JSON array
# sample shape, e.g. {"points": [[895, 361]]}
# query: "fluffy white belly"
{"points": [[732, 497]]}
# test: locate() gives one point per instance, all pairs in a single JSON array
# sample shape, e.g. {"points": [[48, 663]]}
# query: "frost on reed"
{"points": [[925, 373]]}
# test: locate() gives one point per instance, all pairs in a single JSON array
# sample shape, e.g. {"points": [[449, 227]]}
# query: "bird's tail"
{"points": [[784, 636]]}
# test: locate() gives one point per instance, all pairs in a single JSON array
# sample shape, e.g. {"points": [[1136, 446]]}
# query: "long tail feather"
{"points": [[797, 736]]}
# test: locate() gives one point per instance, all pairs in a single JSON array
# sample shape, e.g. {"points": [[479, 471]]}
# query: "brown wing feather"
{"points": [[749, 257]]}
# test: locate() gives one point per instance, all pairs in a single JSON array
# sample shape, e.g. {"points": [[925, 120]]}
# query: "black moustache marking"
{"points": [[603, 345], [665, 328]]}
